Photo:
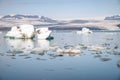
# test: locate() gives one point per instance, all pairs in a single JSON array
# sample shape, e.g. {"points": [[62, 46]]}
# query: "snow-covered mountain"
{"points": [[18, 16], [46, 19], [115, 17], [14, 20]]}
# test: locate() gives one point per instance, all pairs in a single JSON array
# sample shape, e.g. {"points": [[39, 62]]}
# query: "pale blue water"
{"points": [[83, 66]]}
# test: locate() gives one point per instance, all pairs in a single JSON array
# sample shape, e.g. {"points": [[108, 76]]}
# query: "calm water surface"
{"points": [[19, 62]]}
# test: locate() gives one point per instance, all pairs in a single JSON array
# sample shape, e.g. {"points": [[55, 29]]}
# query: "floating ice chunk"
{"points": [[21, 31], [76, 51], [84, 31], [14, 32], [54, 47], [37, 51], [27, 30], [72, 50], [59, 50], [69, 51], [96, 48], [43, 33]]}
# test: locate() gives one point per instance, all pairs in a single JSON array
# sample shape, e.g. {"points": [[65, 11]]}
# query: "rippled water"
{"points": [[18, 61]]}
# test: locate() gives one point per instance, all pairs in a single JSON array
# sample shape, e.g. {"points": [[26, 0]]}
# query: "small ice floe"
{"points": [[59, 50], [43, 33], [25, 31], [96, 48], [54, 47], [38, 51], [84, 31], [70, 51], [14, 33], [81, 46]]}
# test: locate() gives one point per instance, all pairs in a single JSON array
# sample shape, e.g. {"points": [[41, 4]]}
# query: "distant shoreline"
{"points": [[4, 28], [69, 28], [73, 28]]}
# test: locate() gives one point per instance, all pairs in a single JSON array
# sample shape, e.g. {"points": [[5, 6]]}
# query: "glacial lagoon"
{"points": [[98, 59]]}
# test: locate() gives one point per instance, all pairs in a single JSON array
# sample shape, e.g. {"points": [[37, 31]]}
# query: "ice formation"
{"points": [[27, 31], [21, 31], [43, 33], [84, 31]]}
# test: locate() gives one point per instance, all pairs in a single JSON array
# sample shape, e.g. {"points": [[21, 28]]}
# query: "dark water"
{"points": [[18, 62]]}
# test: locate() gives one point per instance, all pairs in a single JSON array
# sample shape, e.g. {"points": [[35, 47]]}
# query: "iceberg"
{"points": [[43, 33], [84, 31], [14, 33], [27, 31]]}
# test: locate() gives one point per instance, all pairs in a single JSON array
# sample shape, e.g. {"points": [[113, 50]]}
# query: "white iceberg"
{"points": [[22, 31], [84, 31], [69, 51], [27, 31], [43, 33], [14, 32]]}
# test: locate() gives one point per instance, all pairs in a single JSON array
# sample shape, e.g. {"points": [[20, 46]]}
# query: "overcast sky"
{"points": [[61, 8]]}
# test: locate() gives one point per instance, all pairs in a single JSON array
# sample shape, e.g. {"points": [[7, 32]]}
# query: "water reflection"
{"points": [[40, 47], [98, 48], [17, 45], [98, 57], [20, 44]]}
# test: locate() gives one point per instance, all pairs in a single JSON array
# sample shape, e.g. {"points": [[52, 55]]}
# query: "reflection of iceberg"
{"points": [[20, 45], [84, 31], [22, 31], [43, 33], [42, 47], [44, 44]]}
